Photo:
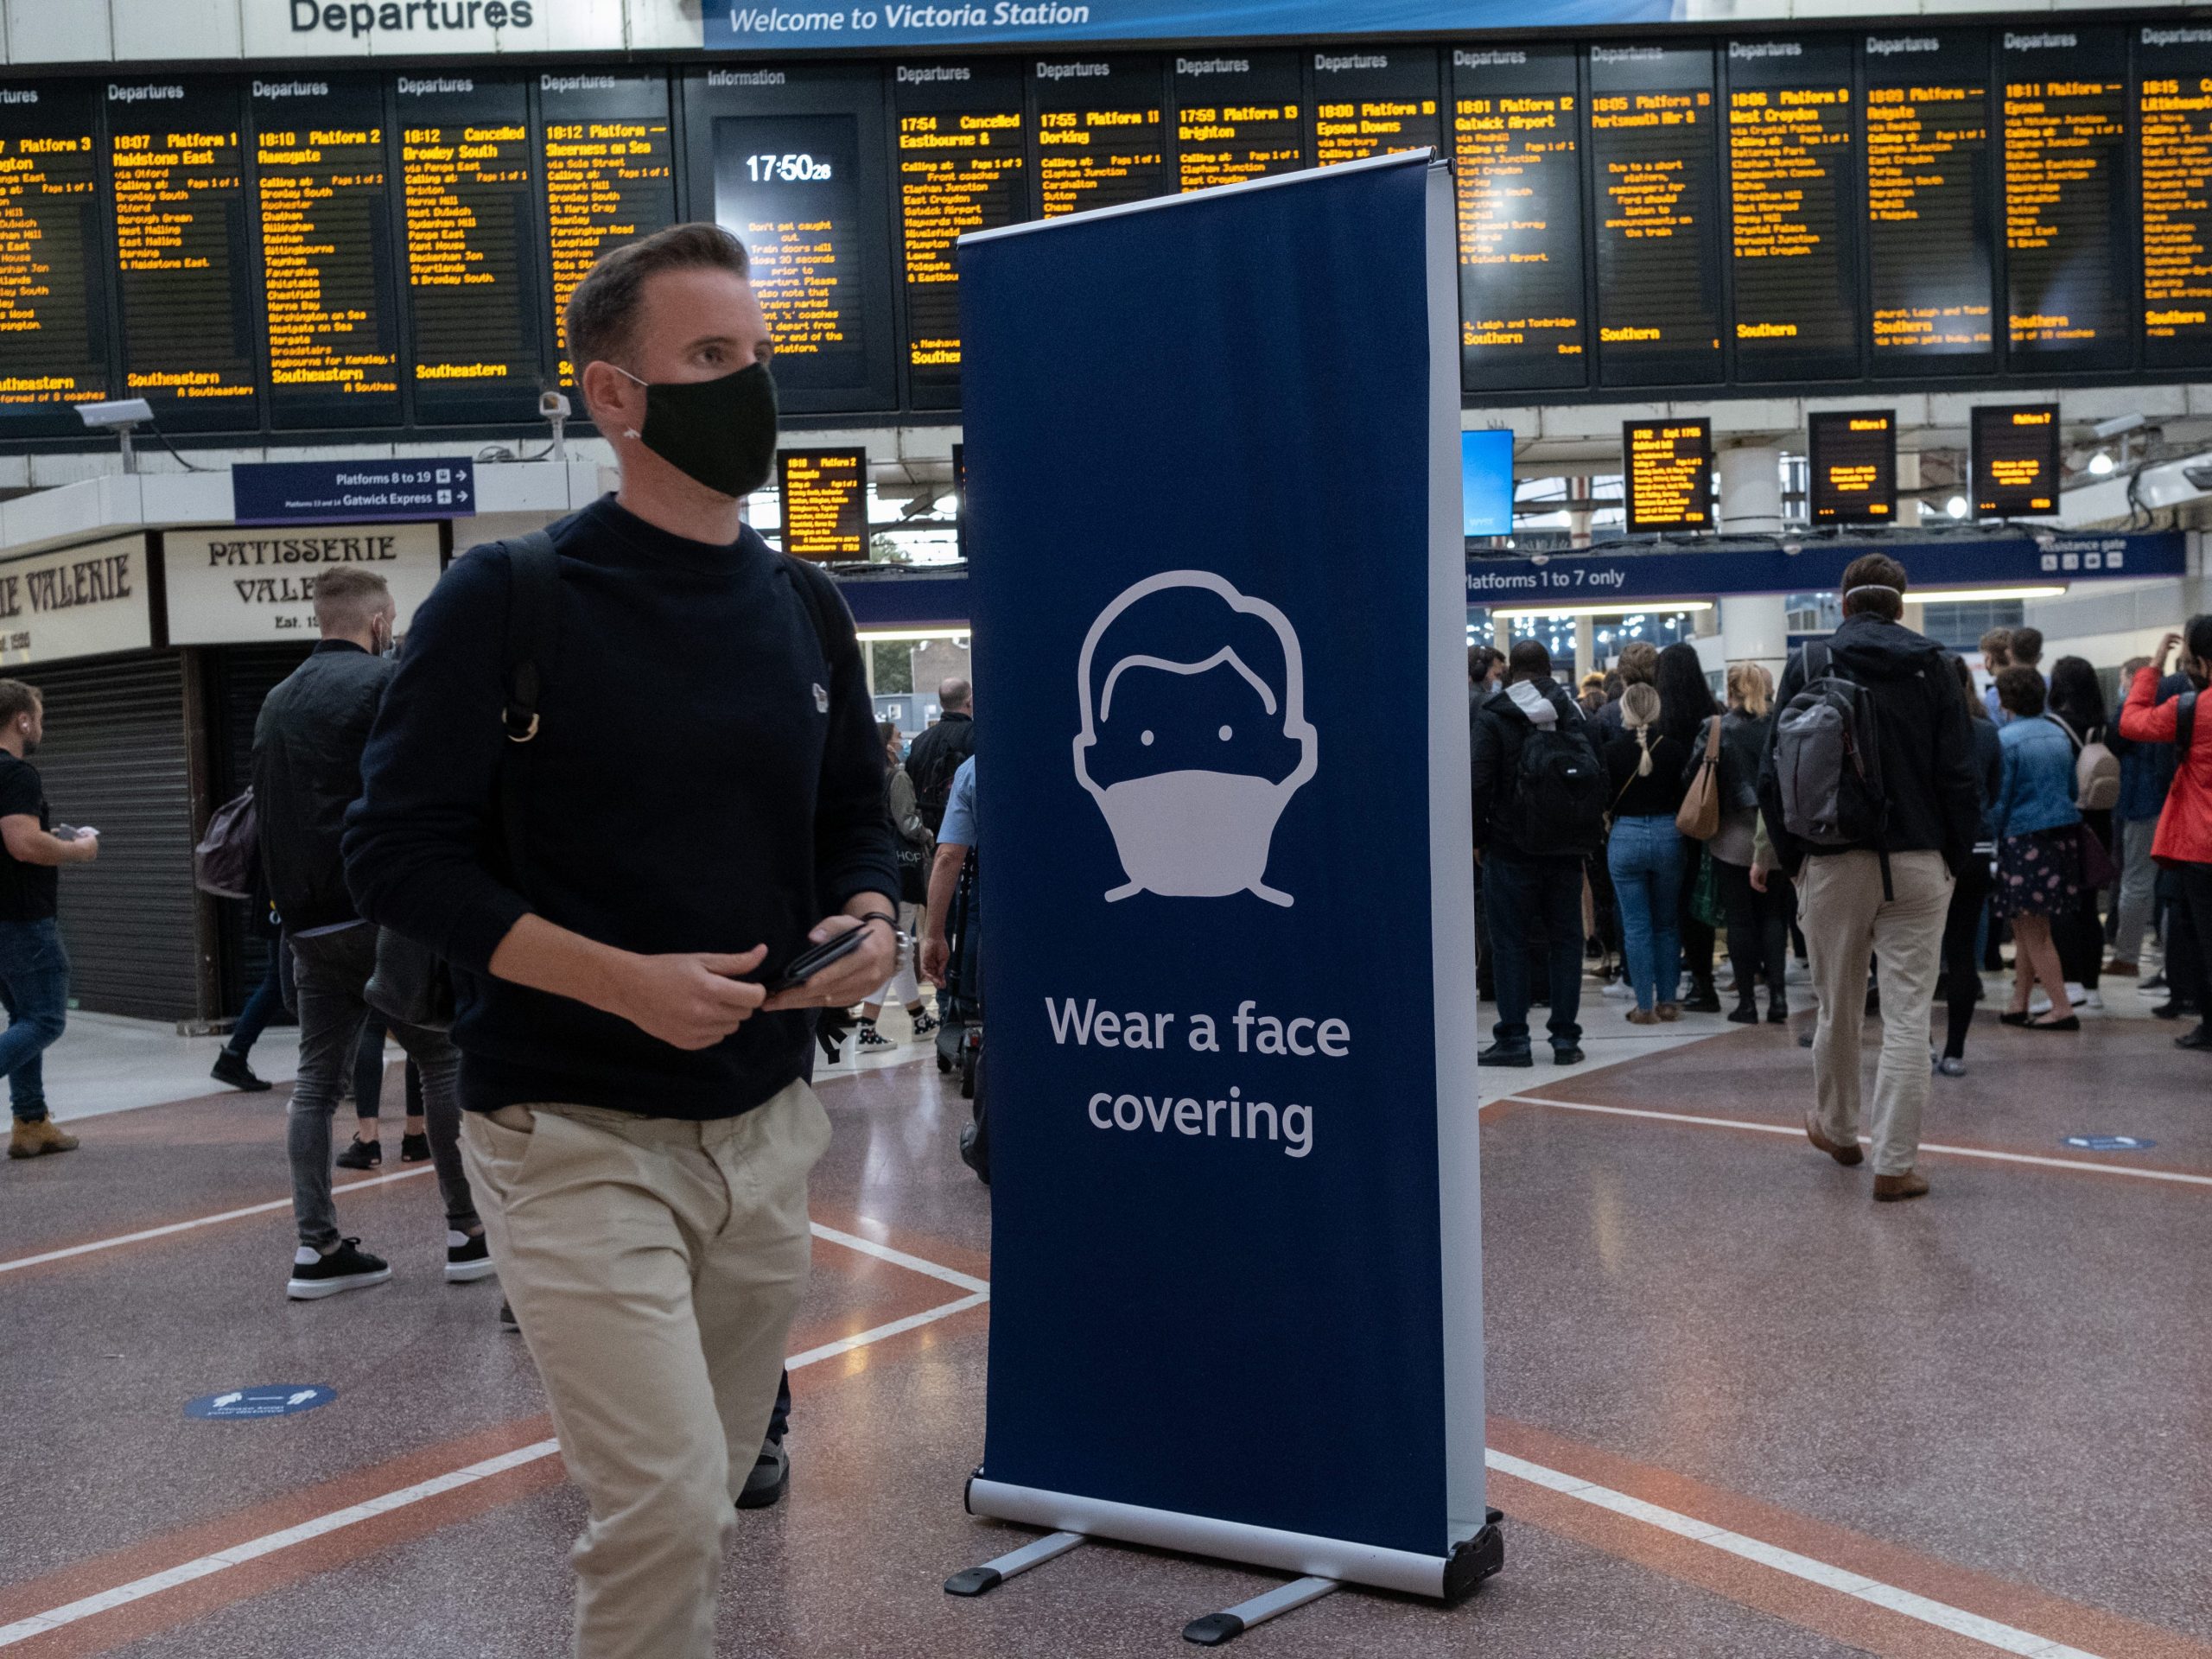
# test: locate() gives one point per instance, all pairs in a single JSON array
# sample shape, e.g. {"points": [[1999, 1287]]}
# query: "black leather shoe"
{"points": [[770, 1479], [1566, 1054], [2201, 1038], [1499, 1054], [1703, 1000], [1742, 1014]]}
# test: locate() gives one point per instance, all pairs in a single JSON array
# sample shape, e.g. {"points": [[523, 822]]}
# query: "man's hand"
{"points": [[849, 979], [691, 1000], [86, 846], [2167, 646], [1758, 878], [936, 957]]}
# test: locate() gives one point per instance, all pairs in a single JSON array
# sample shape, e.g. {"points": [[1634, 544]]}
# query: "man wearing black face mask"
{"points": [[702, 799]]}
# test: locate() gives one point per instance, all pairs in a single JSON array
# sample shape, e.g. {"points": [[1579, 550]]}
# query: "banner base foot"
{"points": [[1479, 1558], [1216, 1628], [976, 1580]]}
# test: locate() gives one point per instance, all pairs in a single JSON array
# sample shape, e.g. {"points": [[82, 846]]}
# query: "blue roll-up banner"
{"points": [[1219, 604]]}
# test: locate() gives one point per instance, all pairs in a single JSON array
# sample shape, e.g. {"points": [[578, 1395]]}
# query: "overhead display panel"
{"points": [[323, 209], [1101, 132], [2015, 461], [824, 503], [1374, 103], [1237, 118], [962, 157], [177, 198], [1931, 194], [1658, 199], [1667, 468], [610, 176], [1793, 217], [791, 161], [1516, 126], [1851, 459], [54, 329], [475, 278], [2067, 237], [2173, 69]]}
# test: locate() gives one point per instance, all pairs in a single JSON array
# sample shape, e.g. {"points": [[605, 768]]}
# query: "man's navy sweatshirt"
{"points": [[702, 779]]}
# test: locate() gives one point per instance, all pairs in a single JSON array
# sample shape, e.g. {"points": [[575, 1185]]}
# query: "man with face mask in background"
{"points": [[701, 800]]}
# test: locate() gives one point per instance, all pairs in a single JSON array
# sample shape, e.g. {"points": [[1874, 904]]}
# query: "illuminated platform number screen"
{"points": [[177, 199], [1652, 138], [53, 328], [961, 162], [2015, 461], [1668, 466], [825, 503], [2066, 210], [1516, 122], [1102, 133], [1374, 104], [1852, 456], [1237, 118], [2174, 169], [328, 257], [1931, 189], [1792, 220], [610, 176], [473, 280]]}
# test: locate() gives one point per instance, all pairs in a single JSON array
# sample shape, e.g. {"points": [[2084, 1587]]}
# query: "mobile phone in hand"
{"points": [[812, 960]]}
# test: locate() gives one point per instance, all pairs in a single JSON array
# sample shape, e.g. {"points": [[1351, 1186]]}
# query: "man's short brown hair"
{"points": [[2020, 691], [1639, 664], [346, 596], [2027, 646], [604, 308], [1997, 645], [16, 698], [1874, 584]]}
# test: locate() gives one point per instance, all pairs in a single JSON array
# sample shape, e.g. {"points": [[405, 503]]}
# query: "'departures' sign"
{"points": [[82, 601], [237, 586]]}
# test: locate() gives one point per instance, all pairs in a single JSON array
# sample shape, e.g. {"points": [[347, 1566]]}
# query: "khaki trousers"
{"points": [[655, 1266], [1846, 921]]}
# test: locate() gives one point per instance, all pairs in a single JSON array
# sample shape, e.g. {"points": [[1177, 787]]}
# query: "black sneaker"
{"points": [[361, 1154], [1567, 1054], [770, 1479], [232, 1069], [1778, 1013], [924, 1025], [316, 1275], [467, 1258], [1744, 1014], [1703, 1000], [1499, 1054], [2200, 1037], [872, 1041], [508, 1323], [414, 1148]]}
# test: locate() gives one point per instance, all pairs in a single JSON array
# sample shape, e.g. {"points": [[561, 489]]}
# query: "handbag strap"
{"points": [[1713, 741]]}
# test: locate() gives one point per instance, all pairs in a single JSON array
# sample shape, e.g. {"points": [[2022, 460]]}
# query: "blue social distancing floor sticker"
{"points": [[263, 1400], [2110, 1142]]}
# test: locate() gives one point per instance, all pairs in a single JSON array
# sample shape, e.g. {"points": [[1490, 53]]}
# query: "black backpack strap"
{"points": [[2185, 722], [533, 630], [810, 583], [1817, 657]]}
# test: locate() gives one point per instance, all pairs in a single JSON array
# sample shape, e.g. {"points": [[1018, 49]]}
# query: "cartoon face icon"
{"points": [[1194, 734]]}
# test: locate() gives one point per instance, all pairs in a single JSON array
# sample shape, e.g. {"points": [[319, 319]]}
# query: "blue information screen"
{"points": [[1486, 482]]}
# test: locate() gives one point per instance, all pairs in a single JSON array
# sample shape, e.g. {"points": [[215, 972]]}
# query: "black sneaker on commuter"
{"points": [[232, 1069], [414, 1148], [361, 1154], [1703, 998], [1567, 1054], [924, 1025], [770, 1479], [468, 1257], [315, 1274], [1501, 1054], [508, 1324], [2200, 1037], [872, 1041]]}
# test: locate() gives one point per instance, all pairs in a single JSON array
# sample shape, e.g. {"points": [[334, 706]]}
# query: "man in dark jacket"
{"points": [[1885, 897], [1526, 887], [307, 771], [938, 753]]}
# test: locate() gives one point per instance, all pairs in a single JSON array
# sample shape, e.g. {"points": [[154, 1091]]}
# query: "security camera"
{"points": [[552, 406], [2117, 425], [123, 413]]}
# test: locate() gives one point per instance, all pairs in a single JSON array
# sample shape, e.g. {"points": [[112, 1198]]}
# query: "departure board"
{"points": [[2067, 258], [1851, 459], [2015, 461], [1102, 133], [1652, 155], [825, 503], [327, 256], [1931, 194], [610, 176], [2173, 137], [54, 332], [1792, 220], [1374, 104], [960, 160], [177, 185], [1237, 118], [1517, 172], [1668, 467], [474, 274]]}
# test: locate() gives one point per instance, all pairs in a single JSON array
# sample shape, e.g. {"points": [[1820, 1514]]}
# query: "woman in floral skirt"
{"points": [[2038, 847]]}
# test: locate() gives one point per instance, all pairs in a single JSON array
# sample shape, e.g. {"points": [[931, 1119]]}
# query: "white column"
{"points": [[1586, 647], [1908, 479], [1751, 491], [1755, 628]]}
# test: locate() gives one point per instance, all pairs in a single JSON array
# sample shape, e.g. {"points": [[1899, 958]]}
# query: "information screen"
{"points": [[1669, 468], [53, 333], [825, 503], [178, 184], [2066, 229], [1651, 149], [2016, 463], [1930, 195], [2174, 165], [610, 174], [1793, 176], [1237, 118], [1102, 133], [1517, 171], [328, 258], [1373, 104], [961, 159], [1853, 462], [474, 277]]}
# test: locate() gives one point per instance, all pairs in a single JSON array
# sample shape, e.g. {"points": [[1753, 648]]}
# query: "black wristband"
{"points": [[877, 916]]}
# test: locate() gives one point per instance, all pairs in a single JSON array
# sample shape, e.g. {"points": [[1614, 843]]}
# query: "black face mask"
{"points": [[719, 432]]}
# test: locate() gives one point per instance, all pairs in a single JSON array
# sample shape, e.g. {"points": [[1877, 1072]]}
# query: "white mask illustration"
{"points": [[1189, 830]]}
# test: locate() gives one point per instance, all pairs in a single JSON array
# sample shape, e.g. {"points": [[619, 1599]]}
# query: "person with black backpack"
{"points": [[1869, 795], [1539, 813], [935, 757]]}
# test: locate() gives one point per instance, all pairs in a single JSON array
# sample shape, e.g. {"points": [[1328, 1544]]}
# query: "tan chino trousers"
{"points": [[655, 1265]]}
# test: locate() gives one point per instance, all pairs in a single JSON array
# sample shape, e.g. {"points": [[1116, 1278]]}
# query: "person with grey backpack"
{"points": [[1869, 797]]}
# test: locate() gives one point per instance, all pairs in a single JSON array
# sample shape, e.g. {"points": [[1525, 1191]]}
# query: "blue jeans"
{"points": [[260, 1007], [35, 989], [1645, 856], [1521, 894]]}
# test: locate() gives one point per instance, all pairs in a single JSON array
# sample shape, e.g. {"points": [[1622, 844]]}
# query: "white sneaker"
{"points": [[2038, 1002], [1620, 990], [2083, 998]]}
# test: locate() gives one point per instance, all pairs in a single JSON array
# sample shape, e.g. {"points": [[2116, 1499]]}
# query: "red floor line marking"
{"points": [[2177, 1176]]}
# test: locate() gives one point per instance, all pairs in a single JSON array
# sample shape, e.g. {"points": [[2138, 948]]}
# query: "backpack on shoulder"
{"points": [[225, 861], [2096, 771], [1559, 800], [1827, 759]]}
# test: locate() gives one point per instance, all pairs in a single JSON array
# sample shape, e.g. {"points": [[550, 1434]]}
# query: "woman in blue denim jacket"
{"points": [[2038, 846]]}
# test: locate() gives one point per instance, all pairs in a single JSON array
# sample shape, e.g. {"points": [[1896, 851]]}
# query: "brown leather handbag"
{"points": [[1699, 816]]}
